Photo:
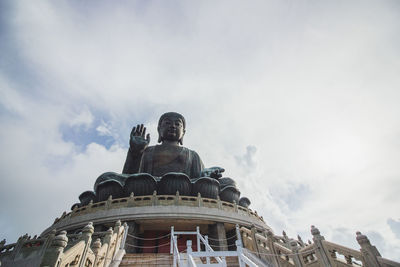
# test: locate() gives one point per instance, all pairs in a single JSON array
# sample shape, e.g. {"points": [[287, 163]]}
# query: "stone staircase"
{"points": [[162, 260], [147, 260]]}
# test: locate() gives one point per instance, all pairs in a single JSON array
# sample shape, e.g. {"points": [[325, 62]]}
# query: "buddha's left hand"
{"points": [[213, 172]]}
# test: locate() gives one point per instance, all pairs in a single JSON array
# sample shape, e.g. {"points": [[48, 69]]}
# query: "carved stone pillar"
{"points": [[294, 247], [96, 248], [270, 242], [368, 251], [54, 252], [87, 232], [320, 250], [107, 240]]}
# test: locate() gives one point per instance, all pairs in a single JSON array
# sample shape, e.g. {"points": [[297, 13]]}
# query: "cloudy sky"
{"points": [[297, 100]]}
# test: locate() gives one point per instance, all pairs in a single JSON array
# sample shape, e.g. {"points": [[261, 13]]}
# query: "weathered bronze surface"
{"points": [[167, 157], [140, 184]]}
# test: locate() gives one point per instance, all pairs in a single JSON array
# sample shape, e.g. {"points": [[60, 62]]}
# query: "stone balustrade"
{"points": [[64, 249], [159, 200], [285, 252]]}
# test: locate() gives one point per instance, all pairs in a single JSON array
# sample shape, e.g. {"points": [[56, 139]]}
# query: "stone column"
{"points": [[133, 230], [368, 251], [217, 236], [322, 254]]}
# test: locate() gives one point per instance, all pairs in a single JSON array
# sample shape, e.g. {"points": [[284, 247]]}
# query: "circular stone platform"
{"points": [[158, 207]]}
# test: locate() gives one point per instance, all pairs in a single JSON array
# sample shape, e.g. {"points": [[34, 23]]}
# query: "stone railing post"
{"points": [[255, 243], [107, 240], [48, 241], [109, 202], [96, 248], [295, 249], [87, 232], [199, 200], [131, 200], [154, 198], [270, 241], [117, 230], [89, 206], [2, 244], [123, 241], [286, 240], [368, 251], [19, 245], [117, 227], [219, 203], [55, 251], [320, 250], [235, 206], [177, 198]]}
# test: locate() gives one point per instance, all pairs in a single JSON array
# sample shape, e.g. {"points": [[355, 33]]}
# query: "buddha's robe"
{"points": [[160, 159]]}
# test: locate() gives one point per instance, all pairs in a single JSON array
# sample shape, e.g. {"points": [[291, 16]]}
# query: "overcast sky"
{"points": [[297, 100]]}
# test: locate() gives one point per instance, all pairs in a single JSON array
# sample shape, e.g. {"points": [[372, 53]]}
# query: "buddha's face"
{"points": [[171, 129]]}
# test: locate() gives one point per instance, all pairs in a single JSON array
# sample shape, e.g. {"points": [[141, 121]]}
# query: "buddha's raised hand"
{"points": [[137, 141]]}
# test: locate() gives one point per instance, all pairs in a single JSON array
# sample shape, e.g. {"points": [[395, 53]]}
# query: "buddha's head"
{"points": [[171, 128]]}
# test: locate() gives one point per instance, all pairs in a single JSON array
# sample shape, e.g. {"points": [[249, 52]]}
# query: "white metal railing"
{"points": [[208, 253]]}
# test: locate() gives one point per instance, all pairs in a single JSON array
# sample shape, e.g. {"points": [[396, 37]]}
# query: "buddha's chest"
{"points": [[172, 156]]}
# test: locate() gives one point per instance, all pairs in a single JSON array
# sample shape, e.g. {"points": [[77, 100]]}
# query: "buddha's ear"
{"points": [[159, 135], [181, 140]]}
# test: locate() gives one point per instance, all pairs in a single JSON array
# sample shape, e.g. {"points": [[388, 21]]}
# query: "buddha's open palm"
{"points": [[137, 141]]}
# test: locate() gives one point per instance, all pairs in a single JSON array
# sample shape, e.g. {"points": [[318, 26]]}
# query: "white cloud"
{"points": [[313, 86], [84, 118], [104, 129]]}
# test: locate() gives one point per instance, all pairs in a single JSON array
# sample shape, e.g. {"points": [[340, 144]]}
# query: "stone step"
{"points": [[163, 260], [147, 260], [230, 261]]}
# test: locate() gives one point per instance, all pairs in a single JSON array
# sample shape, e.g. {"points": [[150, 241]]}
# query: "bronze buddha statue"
{"points": [[169, 156]]}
